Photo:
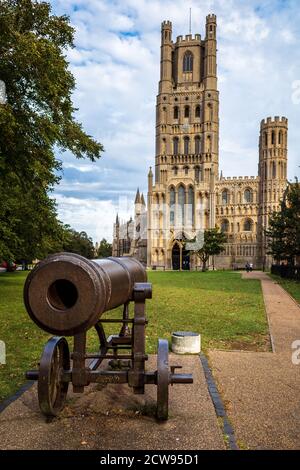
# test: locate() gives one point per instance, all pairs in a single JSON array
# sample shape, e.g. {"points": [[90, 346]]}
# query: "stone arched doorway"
{"points": [[176, 255], [180, 258]]}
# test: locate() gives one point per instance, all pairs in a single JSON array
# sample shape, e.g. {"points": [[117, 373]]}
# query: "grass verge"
{"points": [[227, 310], [292, 287]]}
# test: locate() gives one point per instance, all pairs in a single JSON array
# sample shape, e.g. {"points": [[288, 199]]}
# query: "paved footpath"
{"points": [[110, 417], [261, 391]]}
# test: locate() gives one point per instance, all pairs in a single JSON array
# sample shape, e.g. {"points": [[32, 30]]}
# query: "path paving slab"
{"points": [[261, 393], [111, 417]]}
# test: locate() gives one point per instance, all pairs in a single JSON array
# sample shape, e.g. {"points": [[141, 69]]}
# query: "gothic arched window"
{"points": [[266, 139], [225, 226], [225, 197], [248, 225], [172, 205], [197, 174], [248, 195], [181, 203], [273, 138], [197, 145], [188, 62], [274, 170], [208, 144], [175, 146], [186, 145], [280, 138], [191, 204], [197, 112], [186, 111], [176, 112]]}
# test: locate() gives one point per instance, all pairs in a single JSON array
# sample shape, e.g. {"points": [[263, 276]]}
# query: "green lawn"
{"points": [[23, 339], [292, 287], [226, 310]]}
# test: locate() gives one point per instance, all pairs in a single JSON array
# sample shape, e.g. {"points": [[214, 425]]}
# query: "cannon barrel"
{"points": [[66, 294]]}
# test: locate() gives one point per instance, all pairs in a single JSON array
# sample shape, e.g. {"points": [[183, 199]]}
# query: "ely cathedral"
{"points": [[186, 192]]}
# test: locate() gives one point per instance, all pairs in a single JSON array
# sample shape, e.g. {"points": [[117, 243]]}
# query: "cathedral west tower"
{"points": [[187, 144], [186, 192]]}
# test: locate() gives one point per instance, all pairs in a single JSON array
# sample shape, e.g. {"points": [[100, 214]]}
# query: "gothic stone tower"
{"points": [[244, 204], [182, 199], [130, 238], [272, 170]]}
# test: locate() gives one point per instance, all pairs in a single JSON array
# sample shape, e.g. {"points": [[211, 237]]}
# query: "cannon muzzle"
{"points": [[66, 294]]}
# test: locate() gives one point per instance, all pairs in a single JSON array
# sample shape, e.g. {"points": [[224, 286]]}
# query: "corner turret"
{"points": [[165, 84], [210, 61], [137, 197]]}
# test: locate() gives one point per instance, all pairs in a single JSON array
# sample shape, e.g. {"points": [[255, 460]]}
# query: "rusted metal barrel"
{"points": [[66, 294]]}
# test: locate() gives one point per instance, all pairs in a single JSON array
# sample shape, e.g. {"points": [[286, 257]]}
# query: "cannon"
{"points": [[66, 295]]}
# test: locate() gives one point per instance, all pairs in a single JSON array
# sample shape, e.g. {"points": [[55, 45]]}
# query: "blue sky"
{"points": [[116, 66]]}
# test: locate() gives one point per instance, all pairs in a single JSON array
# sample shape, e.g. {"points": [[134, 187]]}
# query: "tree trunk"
{"points": [[204, 261]]}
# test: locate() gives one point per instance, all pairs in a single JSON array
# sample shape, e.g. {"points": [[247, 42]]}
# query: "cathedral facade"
{"points": [[186, 192]]}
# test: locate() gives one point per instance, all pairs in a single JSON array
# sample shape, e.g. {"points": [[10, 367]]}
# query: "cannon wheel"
{"points": [[52, 391], [163, 378]]}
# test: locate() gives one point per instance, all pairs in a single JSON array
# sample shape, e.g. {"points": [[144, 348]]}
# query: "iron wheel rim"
{"points": [[163, 378], [52, 391]]}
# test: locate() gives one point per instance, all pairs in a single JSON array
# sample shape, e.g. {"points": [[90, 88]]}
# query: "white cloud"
{"points": [[84, 167], [244, 25], [93, 216], [116, 66], [288, 36]]}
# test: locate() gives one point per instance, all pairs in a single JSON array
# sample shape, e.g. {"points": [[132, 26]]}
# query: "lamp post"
{"points": [[3, 97]]}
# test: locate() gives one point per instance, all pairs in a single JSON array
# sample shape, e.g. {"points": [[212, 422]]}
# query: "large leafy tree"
{"points": [[77, 242], [105, 249], [29, 228], [214, 241], [283, 234], [36, 122]]}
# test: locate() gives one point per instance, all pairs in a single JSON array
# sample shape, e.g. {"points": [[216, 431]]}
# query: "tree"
{"points": [[36, 232], [37, 118], [105, 249], [283, 234], [275, 236], [213, 245], [77, 242]]}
